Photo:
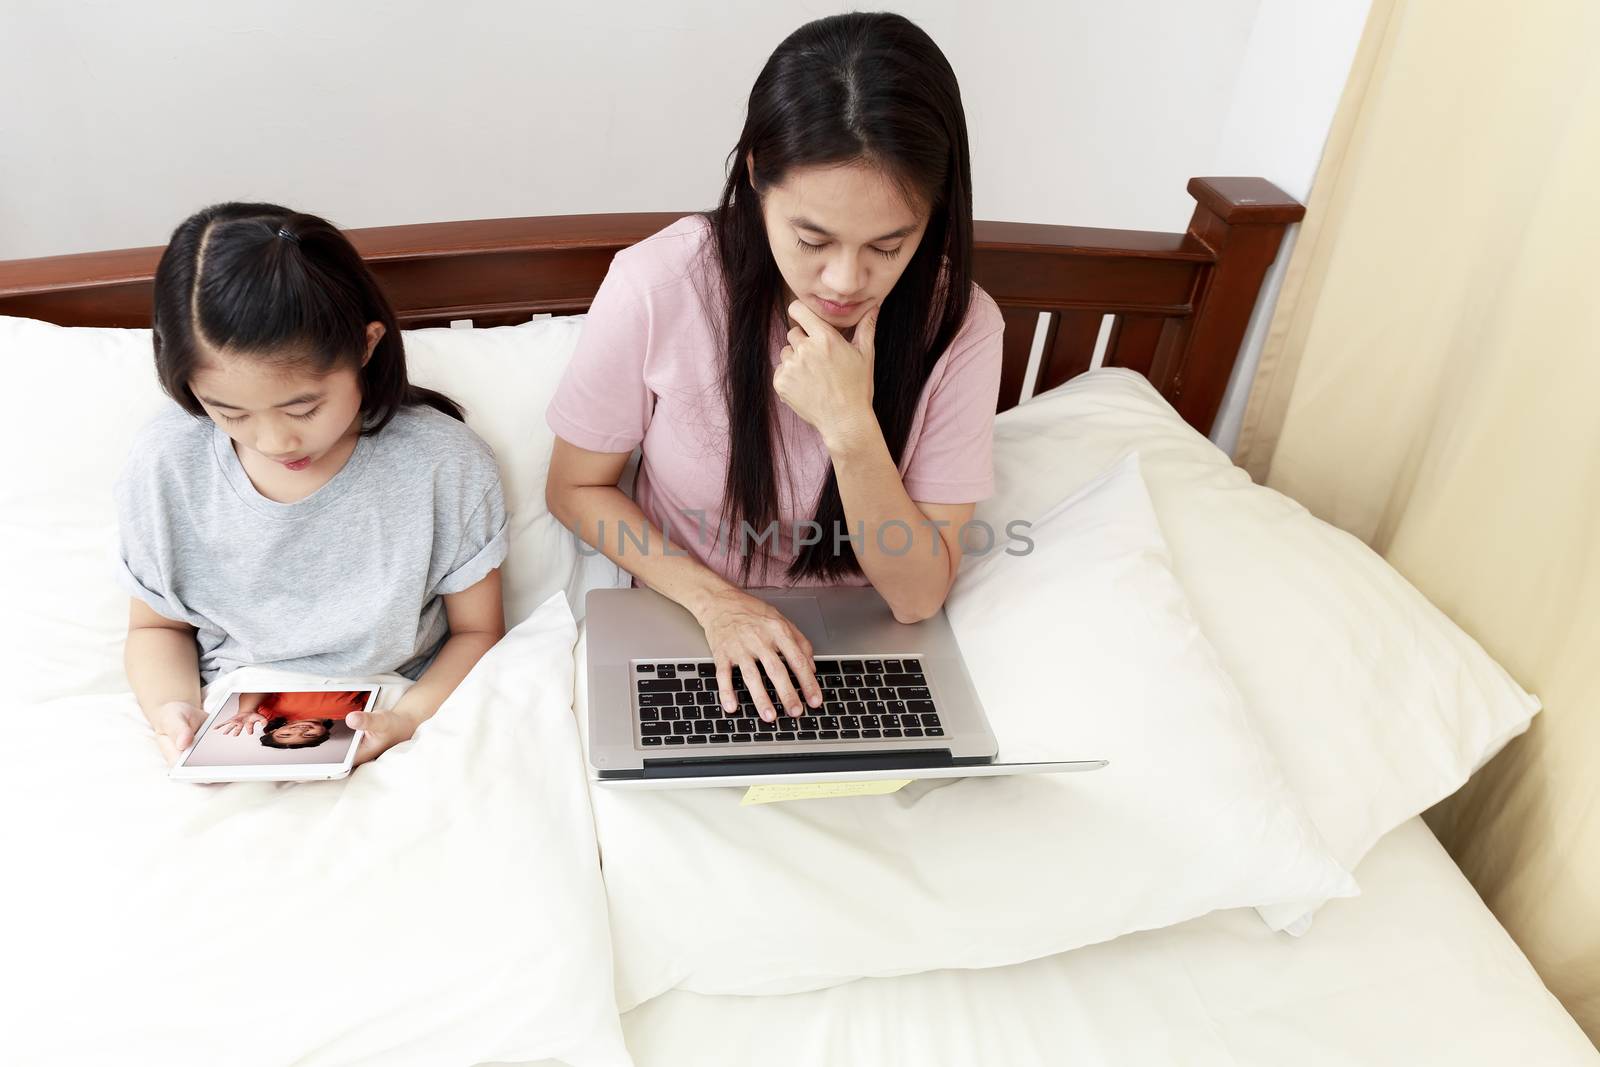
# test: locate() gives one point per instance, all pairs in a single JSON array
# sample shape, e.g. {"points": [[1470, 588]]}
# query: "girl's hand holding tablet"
{"points": [[384, 729], [175, 723]]}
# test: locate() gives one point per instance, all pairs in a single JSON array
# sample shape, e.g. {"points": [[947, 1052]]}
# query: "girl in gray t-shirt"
{"points": [[302, 505]]}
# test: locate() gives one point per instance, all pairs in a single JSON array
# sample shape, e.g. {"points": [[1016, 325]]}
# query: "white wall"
{"points": [[118, 119]]}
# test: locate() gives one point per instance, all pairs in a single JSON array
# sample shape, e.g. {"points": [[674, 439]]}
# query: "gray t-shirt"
{"points": [[347, 581]]}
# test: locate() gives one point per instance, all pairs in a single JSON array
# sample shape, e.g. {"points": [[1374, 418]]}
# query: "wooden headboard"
{"points": [[1177, 303]]}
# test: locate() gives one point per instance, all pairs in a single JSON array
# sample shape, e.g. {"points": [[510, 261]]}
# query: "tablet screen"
{"points": [[280, 728]]}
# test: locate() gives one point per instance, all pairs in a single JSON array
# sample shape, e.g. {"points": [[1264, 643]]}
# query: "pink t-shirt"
{"points": [[648, 371]]}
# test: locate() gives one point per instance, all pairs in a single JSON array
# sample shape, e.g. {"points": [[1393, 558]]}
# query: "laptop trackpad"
{"points": [[805, 613]]}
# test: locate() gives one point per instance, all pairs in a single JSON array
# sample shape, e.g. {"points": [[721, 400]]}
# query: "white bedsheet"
{"points": [[1414, 971]]}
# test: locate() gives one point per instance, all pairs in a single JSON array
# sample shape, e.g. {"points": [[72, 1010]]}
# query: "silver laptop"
{"points": [[897, 700]]}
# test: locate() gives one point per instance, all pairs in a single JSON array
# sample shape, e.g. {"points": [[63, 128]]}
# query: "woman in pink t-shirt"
{"points": [[808, 370]]}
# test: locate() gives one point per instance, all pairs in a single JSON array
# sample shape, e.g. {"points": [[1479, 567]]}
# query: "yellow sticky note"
{"points": [[770, 794]]}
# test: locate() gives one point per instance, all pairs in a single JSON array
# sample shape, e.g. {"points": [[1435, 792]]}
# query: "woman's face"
{"points": [[841, 236], [284, 414]]}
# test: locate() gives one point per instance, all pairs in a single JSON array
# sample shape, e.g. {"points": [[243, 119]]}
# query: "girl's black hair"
{"points": [[264, 281], [283, 720], [871, 89]]}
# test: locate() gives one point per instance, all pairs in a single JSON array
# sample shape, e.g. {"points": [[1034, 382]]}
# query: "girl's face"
{"points": [[841, 236], [284, 414], [301, 733]]}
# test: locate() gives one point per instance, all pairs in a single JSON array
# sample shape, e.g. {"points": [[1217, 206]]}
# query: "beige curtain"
{"points": [[1431, 383]]}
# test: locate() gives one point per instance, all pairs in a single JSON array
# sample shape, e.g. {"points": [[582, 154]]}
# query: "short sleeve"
{"points": [[603, 403], [483, 543], [137, 558], [953, 458]]}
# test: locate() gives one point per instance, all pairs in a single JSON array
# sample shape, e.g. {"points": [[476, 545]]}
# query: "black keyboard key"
{"points": [[868, 722], [850, 735], [913, 692], [854, 680], [827, 722], [718, 739], [683, 699], [648, 715], [691, 712], [913, 731], [645, 668], [876, 707], [852, 666], [807, 735], [659, 685], [673, 740], [692, 685], [656, 700], [670, 715], [742, 737], [891, 733], [892, 666], [929, 719], [655, 729], [706, 696], [686, 668], [920, 707], [706, 670], [696, 739], [874, 666], [903, 678], [850, 722], [725, 726], [872, 733], [664, 670], [785, 735], [935, 731], [828, 735], [759, 736], [681, 728], [897, 707], [855, 707], [705, 726], [652, 740]]}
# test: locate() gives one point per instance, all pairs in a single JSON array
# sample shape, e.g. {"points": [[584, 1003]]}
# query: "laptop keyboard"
{"points": [[863, 700]]}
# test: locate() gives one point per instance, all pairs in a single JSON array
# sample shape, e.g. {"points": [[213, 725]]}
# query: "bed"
{"points": [[1134, 332]]}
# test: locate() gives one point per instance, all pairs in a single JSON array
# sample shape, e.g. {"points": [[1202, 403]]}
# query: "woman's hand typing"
{"points": [[750, 635]]}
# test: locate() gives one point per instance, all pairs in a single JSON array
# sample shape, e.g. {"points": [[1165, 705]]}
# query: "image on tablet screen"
{"points": [[279, 728]]}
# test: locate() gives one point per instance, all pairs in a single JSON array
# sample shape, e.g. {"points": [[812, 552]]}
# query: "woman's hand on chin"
{"points": [[748, 635], [825, 379]]}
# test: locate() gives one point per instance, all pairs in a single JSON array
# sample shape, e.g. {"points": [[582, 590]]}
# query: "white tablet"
{"points": [[293, 734]]}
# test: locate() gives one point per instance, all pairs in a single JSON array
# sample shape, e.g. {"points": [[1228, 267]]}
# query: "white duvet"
{"points": [[1413, 972], [440, 906]]}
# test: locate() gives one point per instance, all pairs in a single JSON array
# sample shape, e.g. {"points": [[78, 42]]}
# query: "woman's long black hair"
{"points": [[264, 281], [871, 89]]}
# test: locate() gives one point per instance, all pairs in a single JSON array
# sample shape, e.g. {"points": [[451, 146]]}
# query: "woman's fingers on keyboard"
{"points": [[757, 689], [802, 668], [781, 683], [725, 694]]}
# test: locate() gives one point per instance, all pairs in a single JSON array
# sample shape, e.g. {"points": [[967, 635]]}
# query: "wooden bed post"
{"points": [[1242, 221]]}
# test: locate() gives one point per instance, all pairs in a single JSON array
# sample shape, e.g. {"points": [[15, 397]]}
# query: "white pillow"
{"points": [[504, 378], [1375, 703], [90, 390], [441, 905], [1083, 648]]}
